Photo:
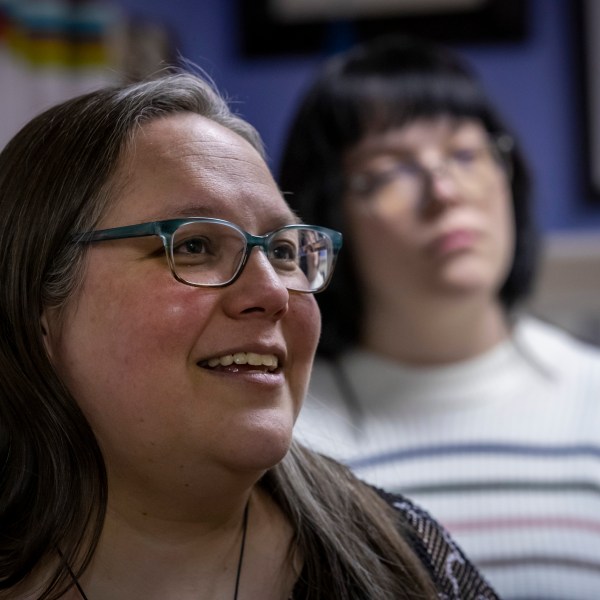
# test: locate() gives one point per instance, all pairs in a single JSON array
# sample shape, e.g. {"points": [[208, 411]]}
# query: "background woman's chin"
{"points": [[468, 273], [467, 284]]}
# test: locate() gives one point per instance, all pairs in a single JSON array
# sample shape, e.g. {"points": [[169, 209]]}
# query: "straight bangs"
{"points": [[375, 105]]}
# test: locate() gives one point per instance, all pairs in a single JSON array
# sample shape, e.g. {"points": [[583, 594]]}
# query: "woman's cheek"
{"points": [[307, 320]]}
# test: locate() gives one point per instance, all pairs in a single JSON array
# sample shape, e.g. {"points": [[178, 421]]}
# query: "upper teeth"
{"points": [[245, 358]]}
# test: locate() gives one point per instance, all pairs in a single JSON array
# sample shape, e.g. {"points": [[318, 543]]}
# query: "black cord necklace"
{"points": [[239, 565]]}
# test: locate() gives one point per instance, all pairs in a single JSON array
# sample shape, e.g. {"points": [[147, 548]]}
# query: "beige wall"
{"points": [[568, 288]]}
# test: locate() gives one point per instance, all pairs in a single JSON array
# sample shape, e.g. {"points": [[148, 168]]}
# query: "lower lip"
{"points": [[454, 242], [245, 375]]}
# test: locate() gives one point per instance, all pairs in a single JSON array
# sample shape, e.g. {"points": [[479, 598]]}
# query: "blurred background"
{"points": [[539, 60]]}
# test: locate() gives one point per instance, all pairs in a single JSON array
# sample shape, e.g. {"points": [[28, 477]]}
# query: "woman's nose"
{"points": [[259, 289], [440, 187]]}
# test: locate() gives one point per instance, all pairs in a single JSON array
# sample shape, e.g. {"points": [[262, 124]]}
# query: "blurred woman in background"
{"points": [[429, 380]]}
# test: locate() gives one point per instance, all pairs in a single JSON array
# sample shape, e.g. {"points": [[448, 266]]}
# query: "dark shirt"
{"points": [[453, 575]]}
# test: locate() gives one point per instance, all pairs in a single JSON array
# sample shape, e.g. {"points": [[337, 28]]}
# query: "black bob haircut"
{"points": [[383, 84]]}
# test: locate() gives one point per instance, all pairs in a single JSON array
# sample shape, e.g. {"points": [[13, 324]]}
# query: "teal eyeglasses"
{"points": [[206, 252]]}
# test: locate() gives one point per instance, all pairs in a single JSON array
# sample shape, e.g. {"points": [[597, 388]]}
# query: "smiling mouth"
{"points": [[263, 362]]}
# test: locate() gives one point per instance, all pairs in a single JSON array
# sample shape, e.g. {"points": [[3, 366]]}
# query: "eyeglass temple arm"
{"points": [[116, 233]]}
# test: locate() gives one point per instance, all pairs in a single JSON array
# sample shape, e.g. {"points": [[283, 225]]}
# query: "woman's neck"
{"points": [[192, 560], [437, 332]]}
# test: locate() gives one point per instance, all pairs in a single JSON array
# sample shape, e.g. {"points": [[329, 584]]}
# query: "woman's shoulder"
{"points": [[553, 346], [452, 572]]}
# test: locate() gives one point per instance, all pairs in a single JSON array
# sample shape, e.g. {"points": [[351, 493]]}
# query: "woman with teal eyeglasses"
{"points": [[157, 332]]}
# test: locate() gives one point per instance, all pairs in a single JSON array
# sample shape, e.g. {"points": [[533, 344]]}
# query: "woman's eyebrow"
{"points": [[277, 222], [196, 209], [189, 210], [292, 218]]}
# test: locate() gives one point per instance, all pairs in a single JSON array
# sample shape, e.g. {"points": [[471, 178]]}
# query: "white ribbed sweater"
{"points": [[504, 450]]}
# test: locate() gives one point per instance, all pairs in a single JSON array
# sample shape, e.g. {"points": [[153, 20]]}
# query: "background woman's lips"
{"points": [[460, 239]]}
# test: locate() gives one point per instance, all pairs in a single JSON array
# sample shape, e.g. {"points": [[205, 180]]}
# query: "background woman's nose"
{"points": [[439, 188]]}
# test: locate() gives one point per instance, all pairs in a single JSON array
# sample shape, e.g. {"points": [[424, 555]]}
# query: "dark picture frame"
{"points": [[263, 33], [587, 25]]}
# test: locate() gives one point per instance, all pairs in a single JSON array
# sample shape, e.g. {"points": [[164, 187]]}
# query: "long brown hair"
{"points": [[57, 177], [354, 545]]}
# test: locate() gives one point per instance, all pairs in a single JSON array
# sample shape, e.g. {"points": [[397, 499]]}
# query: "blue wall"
{"points": [[534, 83]]}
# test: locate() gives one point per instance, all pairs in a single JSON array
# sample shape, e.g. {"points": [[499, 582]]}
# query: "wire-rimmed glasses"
{"points": [[466, 165], [207, 252]]}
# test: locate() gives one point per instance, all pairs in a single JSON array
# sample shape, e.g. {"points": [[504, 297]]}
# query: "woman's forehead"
{"points": [[186, 165], [417, 133]]}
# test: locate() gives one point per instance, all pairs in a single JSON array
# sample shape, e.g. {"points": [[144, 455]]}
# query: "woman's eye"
{"points": [[398, 169], [371, 182], [465, 156], [196, 245], [405, 168], [284, 251], [362, 184]]}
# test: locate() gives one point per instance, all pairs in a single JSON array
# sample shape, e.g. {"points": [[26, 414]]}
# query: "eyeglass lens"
{"points": [[213, 253]]}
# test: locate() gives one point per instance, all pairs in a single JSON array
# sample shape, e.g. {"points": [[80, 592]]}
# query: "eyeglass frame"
{"points": [[501, 144], [165, 230]]}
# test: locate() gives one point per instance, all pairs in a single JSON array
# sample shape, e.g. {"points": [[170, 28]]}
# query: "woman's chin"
{"points": [[466, 277], [262, 448], [467, 285]]}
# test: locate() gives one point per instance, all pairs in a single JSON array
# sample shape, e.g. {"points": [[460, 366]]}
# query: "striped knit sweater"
{"points": [[503, 450]]}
